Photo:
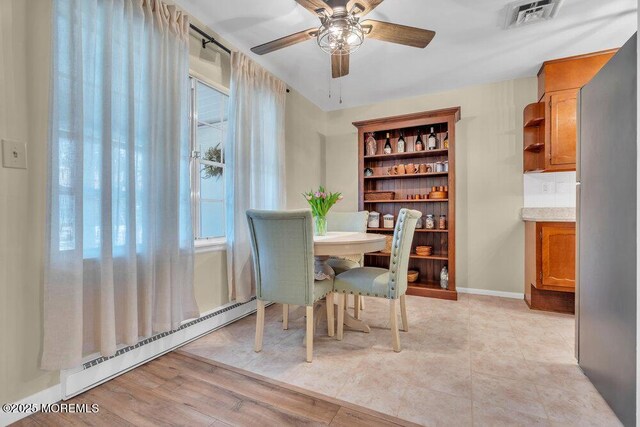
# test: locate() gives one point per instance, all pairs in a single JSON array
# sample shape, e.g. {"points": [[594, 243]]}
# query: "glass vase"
{"points": [[320, 225]]}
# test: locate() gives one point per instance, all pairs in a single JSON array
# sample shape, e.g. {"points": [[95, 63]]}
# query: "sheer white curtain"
{"points": [[120, 244], [255, 159]]}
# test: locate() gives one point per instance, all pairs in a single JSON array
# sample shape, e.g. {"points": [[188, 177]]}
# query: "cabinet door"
{"points": [[562, 137], [557, 256]]}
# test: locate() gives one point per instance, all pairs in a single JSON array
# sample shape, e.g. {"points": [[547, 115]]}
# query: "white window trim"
{"points": [[211, 244], [216, 244]]}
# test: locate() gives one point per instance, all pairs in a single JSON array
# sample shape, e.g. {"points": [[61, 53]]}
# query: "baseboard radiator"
{"points": [[95, 371]]}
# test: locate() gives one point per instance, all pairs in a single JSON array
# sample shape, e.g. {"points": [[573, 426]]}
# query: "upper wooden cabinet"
{"points": [[562, 110], [550, 141]]}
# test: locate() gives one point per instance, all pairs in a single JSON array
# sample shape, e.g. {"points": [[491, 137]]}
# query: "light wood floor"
{"points": [[184, 390]]}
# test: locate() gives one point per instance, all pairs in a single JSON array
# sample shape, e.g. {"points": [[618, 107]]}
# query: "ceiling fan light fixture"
{"points": [[341, 35]]}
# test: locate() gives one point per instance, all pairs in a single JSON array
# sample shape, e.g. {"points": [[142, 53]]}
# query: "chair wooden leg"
{"points": [[361, 302], [403, 312], [310, 327], [341, 307], [285, 316], [330, 315], [259, 326], [395, 335], [356, 306]]}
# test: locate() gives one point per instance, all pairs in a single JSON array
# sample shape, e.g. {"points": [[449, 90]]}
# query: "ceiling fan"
{"points": [[341, 32]]}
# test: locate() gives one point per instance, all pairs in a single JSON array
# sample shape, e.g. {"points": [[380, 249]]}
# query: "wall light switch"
{"points": [[14, 154], [548, 187]]}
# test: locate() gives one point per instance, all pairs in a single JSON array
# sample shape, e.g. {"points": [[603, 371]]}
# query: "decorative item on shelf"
{"points": [[444, 277], [422, 168], [379, 195], [446, 165], [401, 169], [387, 145], [424, 250], [442, 222], [412, 276], [439, 167], [371, 144], [388, 242], [388, 221], [402, 145], [429, 167], [436, 193], [321, 202], [445, 143], [411, 168], [374, 219], [430, 222], [368, 172], [419, 145], [432, 140], [419, 223]]}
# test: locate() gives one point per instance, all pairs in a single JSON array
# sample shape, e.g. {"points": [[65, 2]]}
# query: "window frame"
{"points": [[202, 244]]}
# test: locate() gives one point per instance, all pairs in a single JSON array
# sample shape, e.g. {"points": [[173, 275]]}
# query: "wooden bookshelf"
{"points": [[443, 241], [370, 202], [418, 230]]}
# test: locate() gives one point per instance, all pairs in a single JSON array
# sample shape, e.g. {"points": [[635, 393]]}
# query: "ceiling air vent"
{"points": [[528, 12]]}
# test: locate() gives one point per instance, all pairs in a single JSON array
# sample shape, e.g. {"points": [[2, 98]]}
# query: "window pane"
{"points": [[210, 121], [211, 106], [211, 182], [212, 219], [210, 143]]}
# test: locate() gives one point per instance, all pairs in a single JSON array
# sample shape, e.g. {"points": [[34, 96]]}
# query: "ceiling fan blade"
{"points": [[365, 5], [285, 41], [396, 33], [313, 5], [339, 65]]}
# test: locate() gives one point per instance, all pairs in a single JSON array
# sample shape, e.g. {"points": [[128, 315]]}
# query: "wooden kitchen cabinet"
{"points": [[550, 141], [557, 256], [550, 266], [562, 131]]}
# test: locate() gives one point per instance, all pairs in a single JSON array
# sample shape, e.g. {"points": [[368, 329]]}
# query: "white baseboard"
{"points": [[44, 397], [96, 371], [473, 291]]}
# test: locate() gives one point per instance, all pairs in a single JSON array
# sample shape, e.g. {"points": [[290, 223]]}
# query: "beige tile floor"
{"points": [[481, 361]]}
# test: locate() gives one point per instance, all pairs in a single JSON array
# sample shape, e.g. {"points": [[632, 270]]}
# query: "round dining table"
{"points": [[344, 243]]}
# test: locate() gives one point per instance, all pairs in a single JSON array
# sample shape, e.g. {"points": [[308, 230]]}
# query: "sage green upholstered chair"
{"points": [[383, 283], [348, 221], [282, 247]]}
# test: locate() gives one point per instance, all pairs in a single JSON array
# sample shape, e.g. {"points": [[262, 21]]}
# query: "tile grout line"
{"points": [[544, 407]]}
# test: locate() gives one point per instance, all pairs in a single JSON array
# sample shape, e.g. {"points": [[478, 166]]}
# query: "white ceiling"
{"points": [[470, 46]]}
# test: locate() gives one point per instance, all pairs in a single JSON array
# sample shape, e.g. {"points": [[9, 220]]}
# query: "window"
{"points": [[208, 131]]}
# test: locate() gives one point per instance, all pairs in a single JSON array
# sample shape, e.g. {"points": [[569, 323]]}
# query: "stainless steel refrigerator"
{"points": [[607, 228]]}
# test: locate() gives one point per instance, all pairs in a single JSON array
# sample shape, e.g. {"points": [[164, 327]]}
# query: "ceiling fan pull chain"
{"points": [[340, 83]]}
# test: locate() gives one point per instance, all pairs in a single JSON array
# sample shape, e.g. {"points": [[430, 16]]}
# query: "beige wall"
{"points": [[305, 148], [24, 64], [490, 236]]}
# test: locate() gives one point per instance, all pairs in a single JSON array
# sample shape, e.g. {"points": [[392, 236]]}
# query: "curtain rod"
{"points": [[208, 39]]}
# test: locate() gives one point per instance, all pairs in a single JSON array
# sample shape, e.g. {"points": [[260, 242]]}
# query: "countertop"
{"points": [[548, 214]]}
